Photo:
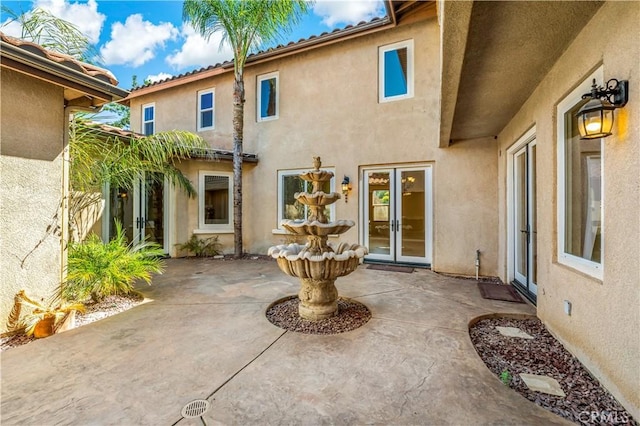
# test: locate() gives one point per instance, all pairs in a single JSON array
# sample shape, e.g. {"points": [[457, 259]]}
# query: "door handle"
{"points": [[393, 228]]}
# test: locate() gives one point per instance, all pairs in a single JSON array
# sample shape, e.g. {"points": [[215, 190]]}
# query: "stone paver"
{"points": [[544, 384], [205, 336], [514, 332]]}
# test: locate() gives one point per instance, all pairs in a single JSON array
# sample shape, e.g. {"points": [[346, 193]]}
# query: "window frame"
{"points": [[213, 228], [297, 172], [260, 79], [199, 126], [410, 70], [581, 264], [152, 121]]}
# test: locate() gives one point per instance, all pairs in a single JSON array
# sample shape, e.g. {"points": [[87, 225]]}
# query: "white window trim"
{"points": [[212, 109], [261, 78], [204, 228], [583, 265], [145, 106], [381, 76], [296, 172]]}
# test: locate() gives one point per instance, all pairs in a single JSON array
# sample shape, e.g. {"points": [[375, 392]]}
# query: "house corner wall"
{"points": [[31, 189], [602, 330]]}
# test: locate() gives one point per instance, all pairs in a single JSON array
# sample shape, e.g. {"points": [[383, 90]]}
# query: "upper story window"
{"points": [[206, 107], [268, 93], [215, 201], [580, 188], [395, 71], [289, 183], [149, 119]]}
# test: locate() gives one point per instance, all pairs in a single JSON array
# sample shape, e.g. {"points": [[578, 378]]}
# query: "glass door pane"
{"points": [[154, 211], [379, 214], [521, 227], [410, 196], [533, 245]]}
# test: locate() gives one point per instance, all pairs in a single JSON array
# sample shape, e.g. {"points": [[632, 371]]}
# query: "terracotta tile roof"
{"points": [[303, 42], [62, 59]]}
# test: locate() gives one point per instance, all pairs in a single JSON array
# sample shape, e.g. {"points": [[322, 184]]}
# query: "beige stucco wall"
{"points": [[329, 107], [31, 145], [603, 327]]}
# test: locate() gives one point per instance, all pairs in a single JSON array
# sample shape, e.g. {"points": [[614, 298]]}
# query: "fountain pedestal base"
{"points": [[318, 299]]}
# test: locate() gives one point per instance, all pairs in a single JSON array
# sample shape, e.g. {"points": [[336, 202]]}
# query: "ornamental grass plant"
{"points": [[98, 269]]}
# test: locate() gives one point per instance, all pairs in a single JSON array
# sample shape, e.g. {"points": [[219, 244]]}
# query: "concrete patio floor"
{"points": [[205, 336]]}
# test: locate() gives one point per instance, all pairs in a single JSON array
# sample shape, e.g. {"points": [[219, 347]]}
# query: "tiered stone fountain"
{"points": [[317, 263]]}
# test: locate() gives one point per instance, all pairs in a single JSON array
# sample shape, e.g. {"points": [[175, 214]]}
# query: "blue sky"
{"points": [[148, 38]]}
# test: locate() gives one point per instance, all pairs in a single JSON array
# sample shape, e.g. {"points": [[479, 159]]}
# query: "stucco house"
{"points": [[455, 123], [40, 91]]}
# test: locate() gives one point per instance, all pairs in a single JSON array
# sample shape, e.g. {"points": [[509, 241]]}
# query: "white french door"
{"points": [[141, 213], [397, 214], [524, 250]]}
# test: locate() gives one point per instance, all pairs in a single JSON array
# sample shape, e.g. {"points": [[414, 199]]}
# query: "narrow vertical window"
{"points": [[206, 107], [268, 93], [395, 70], [149, 119], [215, 201], [580, 201]]}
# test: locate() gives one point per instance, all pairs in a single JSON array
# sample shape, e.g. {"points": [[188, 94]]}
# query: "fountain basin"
{"points": [[304, 228], [294, 260], [317, 198]]}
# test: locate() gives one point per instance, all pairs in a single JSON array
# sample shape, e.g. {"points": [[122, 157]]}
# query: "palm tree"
{"points": [[245, 25]]}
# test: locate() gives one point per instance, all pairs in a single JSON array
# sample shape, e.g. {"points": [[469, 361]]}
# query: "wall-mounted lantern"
{"points": [[595, 118], [346, 187]]}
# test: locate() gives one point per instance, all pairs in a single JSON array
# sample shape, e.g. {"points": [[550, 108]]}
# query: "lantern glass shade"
{"points": [[595, 119]]}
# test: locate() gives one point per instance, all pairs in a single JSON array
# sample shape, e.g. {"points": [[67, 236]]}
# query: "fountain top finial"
{"points": [[317, 163]]}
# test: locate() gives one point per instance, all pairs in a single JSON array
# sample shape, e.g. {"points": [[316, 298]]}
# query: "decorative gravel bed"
{"points": [[351, 315], [586, 401], [111, 305]]}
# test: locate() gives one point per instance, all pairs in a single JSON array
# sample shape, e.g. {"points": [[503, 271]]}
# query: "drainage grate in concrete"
{"points": [[195, 408]]}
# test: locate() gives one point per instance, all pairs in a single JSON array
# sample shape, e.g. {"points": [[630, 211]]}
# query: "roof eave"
{"points": [[17, 58]]}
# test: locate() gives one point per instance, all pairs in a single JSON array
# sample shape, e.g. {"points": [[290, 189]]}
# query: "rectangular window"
{"points": [[395, 71], [206, 107], [149, 119], [268, 92], [289, 183], [580, 180], [215, 201]]}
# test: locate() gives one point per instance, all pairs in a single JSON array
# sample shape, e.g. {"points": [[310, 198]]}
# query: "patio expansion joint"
{"points": [[377, 293], [239, 370]]}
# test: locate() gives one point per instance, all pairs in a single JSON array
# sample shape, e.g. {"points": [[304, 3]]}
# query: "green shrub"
{"points": [[100, 269], [202, 247]]}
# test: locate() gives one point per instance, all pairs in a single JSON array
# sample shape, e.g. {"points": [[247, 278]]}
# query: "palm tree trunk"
{"points": [[238, 124]]}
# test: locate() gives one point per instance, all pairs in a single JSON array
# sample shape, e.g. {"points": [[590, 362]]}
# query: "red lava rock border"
{"points": [[351, 315], [586, 401]]}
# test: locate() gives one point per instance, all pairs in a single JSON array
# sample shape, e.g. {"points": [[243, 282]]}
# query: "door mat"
{"points": [[499, 292], [391, 268]]}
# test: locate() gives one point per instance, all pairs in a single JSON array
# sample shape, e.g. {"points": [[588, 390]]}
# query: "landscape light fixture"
{"points": [[346, 187], [595, 118]]}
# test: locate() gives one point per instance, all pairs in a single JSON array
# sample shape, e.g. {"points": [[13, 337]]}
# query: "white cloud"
{"points": [[197, 51], [84, 16], [11, 28], [135, 42], [347, 12], [158, 77]]}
